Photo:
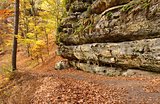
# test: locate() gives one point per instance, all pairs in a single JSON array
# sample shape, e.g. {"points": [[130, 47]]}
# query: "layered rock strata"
{"points": [[104, 35]]}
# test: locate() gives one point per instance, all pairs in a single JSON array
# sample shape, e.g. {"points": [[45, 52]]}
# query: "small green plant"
{"points": [[109, 14], [145, 5], [126, 8], [89, 10], [89, 28], [79, 30]]}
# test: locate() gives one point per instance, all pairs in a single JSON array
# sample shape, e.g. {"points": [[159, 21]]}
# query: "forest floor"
{"points": [[45, 85]]}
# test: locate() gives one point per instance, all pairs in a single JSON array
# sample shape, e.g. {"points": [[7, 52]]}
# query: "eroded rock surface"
{"points": [[141, 54], [119, 33], [101, 5]]}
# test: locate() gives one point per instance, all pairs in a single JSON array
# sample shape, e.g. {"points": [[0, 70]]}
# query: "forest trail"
{"points": [[76, 22], [44, 85]]}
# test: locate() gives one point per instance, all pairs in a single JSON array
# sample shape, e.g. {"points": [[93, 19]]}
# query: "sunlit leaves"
{"points": [[35, 31], [5, 13], [30, 35]]}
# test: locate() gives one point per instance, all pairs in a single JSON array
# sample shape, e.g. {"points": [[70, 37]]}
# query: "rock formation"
{"points": [[111, 36]]}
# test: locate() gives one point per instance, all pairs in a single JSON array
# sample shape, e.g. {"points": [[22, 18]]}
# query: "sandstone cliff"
{"points": [[111, 35]]}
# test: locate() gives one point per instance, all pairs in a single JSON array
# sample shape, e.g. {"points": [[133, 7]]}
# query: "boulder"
{"points": [[62, 65]]}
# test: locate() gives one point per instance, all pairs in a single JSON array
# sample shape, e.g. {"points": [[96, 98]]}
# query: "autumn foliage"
{"points": [[37, 26]]}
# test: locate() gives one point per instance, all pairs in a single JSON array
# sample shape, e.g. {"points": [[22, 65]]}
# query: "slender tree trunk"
{"points": [[47, 41], [14, 48]]}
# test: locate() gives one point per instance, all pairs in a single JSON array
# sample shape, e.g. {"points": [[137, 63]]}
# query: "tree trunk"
{"points": [[47, 41], [14, 48]]}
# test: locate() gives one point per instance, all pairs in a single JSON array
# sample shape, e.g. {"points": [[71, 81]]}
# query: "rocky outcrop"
{"points": [[111, 34], [142, 54]]}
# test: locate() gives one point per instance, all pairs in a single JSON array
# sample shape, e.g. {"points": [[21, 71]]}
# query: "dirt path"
{"points": [[77, 87], [44, 85]]}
